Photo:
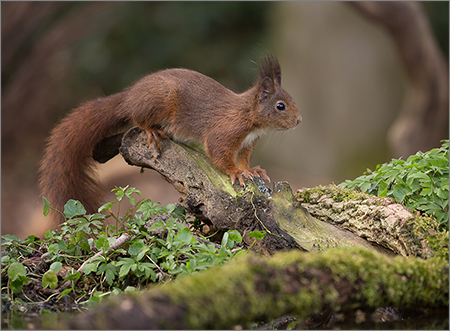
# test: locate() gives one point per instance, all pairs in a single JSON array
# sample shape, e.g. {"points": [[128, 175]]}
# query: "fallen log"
{"points": [[257, 288]]}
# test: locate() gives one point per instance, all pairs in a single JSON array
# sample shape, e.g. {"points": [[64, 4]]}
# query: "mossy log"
{"points": [[379, 220], [257, 288], [207, 193]]}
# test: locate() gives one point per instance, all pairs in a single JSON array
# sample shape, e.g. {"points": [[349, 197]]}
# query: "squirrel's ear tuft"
{"points": [[270, 68]]}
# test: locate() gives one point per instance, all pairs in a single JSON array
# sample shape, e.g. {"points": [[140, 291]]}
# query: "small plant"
{"points": [[149, 243], [421, 182]]}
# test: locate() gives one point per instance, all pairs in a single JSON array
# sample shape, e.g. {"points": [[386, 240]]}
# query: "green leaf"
{"points": [[417, 175], [120, 192], [129, 192], [146, 268], [74, 208], [149, 208], [46, 206], [49, 279], [110, 272], [106, 206], [72, 275], [66, 292], [427, 191], [225, 239], [91, 267], [235, 236], [125, 266], [56, 266], [400, 191], [382, 189], [184, 236], [258, 235], [16, 285], [170, 208], [9, 239], [138, 249], [102, 243], [129, 289], [178, 213], [16, 270], [365, 187]]}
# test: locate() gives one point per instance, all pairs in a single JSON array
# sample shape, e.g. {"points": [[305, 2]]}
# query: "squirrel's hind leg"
{"points": [[155, 134]]}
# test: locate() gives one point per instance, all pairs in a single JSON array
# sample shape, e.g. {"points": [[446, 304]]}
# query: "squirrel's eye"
{"points": [[281, 106]]}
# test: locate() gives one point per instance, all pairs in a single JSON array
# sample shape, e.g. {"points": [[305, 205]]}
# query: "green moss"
{"points": [[217, 178], [426, 228], [252, 287]]}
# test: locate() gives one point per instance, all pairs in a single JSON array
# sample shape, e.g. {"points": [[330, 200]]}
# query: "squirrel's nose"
{"points": [[299, 119]]}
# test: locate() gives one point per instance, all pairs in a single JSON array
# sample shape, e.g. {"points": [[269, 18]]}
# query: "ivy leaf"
{"points": [[56, 266], [74, 208], [16, 270], [49, 279]]}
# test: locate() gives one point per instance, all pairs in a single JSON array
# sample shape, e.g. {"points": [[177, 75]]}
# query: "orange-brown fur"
{"points": [[182, 104]]}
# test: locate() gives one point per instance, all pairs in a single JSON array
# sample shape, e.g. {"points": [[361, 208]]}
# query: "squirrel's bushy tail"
{"points": [[66, 170]]}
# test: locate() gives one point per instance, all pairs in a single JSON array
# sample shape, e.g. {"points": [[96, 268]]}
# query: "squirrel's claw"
{"points": [[155, 134], [249, 173], [235, 175], [258, 172]]}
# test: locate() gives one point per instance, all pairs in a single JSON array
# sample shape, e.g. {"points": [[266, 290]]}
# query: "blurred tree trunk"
{"points": [[37, 40], [423, 119]]}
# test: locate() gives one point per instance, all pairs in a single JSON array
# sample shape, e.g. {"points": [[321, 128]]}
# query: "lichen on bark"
{"points": [[379, 220]]}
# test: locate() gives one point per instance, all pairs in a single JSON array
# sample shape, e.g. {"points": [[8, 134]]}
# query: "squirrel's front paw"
{"points": [[248, 173], [256, 172], [237, 175]]}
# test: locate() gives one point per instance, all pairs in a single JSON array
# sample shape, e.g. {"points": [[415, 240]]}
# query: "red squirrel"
{"points": [[177, 103]]}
